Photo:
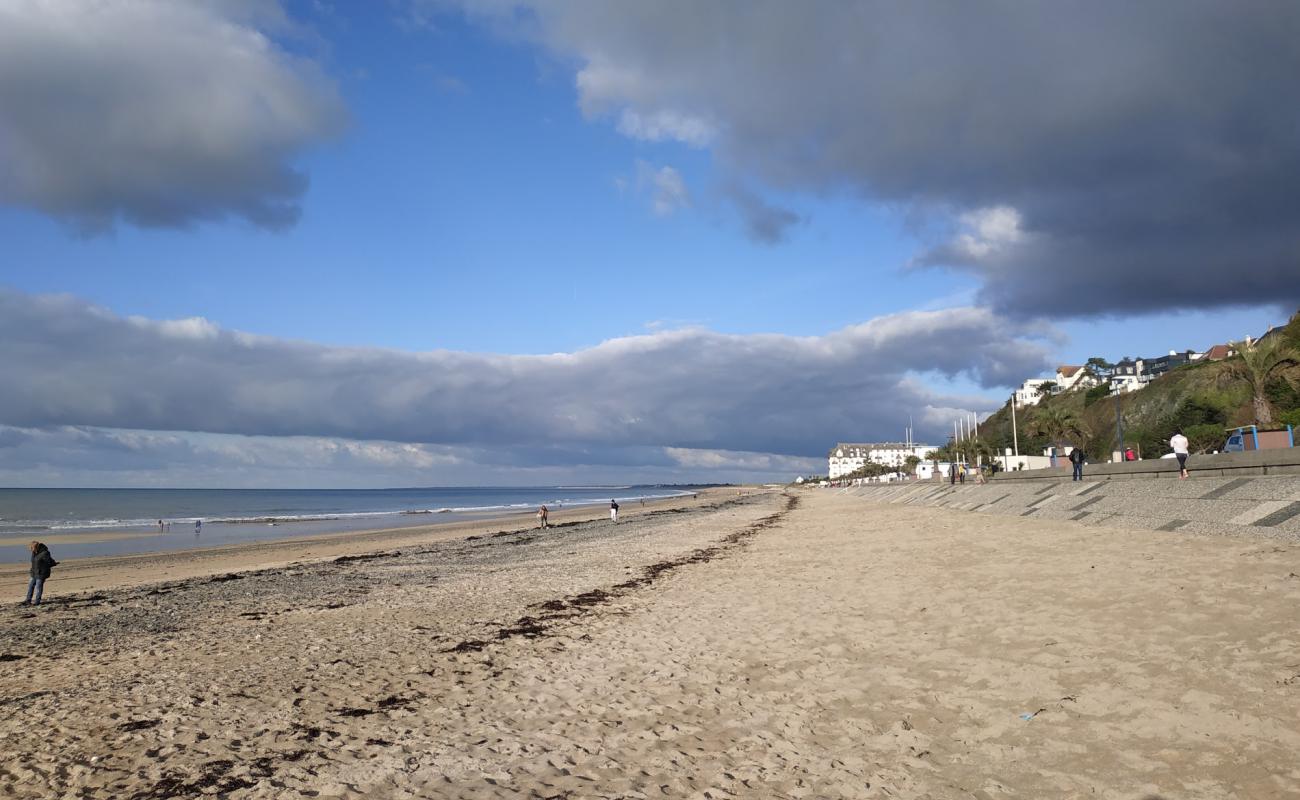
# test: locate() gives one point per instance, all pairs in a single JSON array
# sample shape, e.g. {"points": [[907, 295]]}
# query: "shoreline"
{"points": [[137, 569]]}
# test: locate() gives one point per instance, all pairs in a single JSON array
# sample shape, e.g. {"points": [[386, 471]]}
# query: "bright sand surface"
{"points": [[750, 648]]}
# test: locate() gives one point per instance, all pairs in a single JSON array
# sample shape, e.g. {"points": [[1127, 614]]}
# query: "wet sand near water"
{"points": [[79, 575], [79, 538], [768, 647]]}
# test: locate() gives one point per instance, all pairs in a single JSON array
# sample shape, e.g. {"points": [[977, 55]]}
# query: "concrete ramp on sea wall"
{"points": [[1260, 505]]}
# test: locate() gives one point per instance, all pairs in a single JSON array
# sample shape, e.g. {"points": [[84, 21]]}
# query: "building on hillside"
{"points": [[846, 457], [1272, 333], [1155, 367], [1068, 377], [1028, 394], [1123, 384], [1128, 376], [1219, 352]]}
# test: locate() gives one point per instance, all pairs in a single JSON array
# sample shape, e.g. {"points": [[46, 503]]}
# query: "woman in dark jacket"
{"points": [[41, 563]]}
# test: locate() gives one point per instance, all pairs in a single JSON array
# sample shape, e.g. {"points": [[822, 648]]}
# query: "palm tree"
{"points": [[1057, 424], [1256, 365], [975, 447]]}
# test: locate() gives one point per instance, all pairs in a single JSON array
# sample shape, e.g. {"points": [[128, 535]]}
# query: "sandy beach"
{"points": [[769, 645]]}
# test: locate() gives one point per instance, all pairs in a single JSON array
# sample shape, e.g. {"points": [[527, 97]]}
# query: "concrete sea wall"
{"points": [[1267, 505]]}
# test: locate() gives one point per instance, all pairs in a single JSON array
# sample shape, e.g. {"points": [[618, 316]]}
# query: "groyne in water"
{"points": [[1266, 505]]}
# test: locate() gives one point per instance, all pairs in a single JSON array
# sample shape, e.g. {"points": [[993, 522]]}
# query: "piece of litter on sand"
{"points": [[1027, 717]]}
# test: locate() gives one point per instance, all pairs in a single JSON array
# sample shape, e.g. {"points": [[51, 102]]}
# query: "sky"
{"points": [[427, 242]]}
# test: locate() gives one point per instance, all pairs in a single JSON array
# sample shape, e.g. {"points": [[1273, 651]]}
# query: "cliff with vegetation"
{"points": [[1202, 399]]}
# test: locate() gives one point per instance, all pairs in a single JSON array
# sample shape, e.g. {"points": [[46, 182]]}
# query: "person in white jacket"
{"points": [[1179, 444]]}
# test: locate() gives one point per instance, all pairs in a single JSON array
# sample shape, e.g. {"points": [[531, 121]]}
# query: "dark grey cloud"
{"points": [[160, 113], [1149, 150], [764, 221], [69, 363]]}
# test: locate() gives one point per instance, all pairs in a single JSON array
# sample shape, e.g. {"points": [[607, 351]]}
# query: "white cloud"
{"points": [[989, 231], [156, 112], [664, 125], [668, 192]]}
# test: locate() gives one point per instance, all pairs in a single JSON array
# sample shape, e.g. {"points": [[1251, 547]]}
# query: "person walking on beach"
{"points": [[198, 527], [1179, 444], [613, 511], [161, 527], [541, 516], [1077, 458], [42, 562]]}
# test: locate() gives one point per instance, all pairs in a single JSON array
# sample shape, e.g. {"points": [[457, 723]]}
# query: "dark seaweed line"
{"points": [[536, 627], [214, 775]]}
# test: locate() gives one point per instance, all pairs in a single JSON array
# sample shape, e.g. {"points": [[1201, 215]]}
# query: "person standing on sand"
{"points": [[1179, 444], [42, 562], [1077, 458], [541, 516], [613, 511], [198, 527]]}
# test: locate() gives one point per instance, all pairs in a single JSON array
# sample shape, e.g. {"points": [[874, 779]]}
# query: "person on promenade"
{"points": [[952, 473], [42, 562], [541, 516], [1129, 455], [1179, 444], [613, 511], [1077, 458]]}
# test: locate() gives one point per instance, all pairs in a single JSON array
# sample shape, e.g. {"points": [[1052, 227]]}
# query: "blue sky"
{"points": [[496, 190]]}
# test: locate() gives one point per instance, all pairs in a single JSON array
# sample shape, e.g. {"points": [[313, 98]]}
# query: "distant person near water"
{"points": [[613, 511], [1179, 444], [541, 517], [161, 526], [42, 563], [198, 527], [1077, 458]]}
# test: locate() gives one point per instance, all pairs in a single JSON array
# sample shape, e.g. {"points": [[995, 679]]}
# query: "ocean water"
{"points": [[230, 516]]}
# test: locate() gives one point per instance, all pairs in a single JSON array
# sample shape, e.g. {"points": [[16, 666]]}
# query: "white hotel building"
{"points": [[846, 457]]}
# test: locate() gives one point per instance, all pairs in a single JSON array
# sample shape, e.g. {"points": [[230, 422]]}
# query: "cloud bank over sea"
{"points": [[692, 398]]}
